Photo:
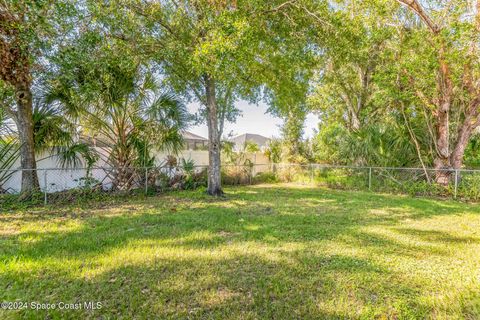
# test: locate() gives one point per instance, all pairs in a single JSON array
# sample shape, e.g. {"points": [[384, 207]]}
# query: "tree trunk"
{"points": [[442, 161], [24, 120], [214, 173], [464, 133], [354, 122], [446, 159]]}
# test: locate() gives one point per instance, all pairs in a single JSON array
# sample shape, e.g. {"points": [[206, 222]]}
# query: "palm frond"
{"points": [[9, 154], [71, 156], [50, 127], [167, 117]]}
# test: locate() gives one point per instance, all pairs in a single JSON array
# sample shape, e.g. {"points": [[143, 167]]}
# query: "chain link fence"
{"points": [[58, 185], [426, 182]]}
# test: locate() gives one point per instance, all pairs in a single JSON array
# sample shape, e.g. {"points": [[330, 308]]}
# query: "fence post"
{"points": [[456, 184], [146, 180], [45, 187], [311, 173], [251, 174], [370, 178]]}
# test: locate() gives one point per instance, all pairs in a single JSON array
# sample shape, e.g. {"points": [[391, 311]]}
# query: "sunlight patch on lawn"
{"points": [[280, 252], [252, 227], [31, 229], [156, 252]]}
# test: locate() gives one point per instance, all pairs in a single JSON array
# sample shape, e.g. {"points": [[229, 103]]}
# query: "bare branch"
{"points": [[278, 8], [418, 9]]}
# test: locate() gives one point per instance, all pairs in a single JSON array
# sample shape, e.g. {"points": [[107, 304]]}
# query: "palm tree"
{"points": [[120, 106], [144, 120], [53, 135]]}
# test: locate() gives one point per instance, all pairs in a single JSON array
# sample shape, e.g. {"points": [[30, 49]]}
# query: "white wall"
{"points": [[58, 179]]}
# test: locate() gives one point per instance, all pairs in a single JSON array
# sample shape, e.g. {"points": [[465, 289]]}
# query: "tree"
{"points": [[446, 51], [345, 85], [404, 74], [214, 52], [55, 134], [274, 151], [120, 103], [292, 132], [52, 133], [26, 32]]}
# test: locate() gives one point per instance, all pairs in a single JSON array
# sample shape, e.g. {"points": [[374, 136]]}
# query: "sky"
{"points": [[254, 119]]}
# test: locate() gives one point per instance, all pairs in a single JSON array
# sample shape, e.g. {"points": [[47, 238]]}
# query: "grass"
{"points": [[268, 251]]}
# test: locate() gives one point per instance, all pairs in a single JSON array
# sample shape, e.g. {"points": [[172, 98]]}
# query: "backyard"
{"points": [[266, 251]]}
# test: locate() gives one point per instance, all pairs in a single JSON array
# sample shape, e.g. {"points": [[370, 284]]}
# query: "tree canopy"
{"points": [[395, 83]]}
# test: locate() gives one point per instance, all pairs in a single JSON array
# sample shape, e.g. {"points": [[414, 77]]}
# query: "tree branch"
{"points": [[278, 8], [418, 9]]}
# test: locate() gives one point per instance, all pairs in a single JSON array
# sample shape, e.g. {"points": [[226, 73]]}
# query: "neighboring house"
{"points": [[194, 142], [94, 141], [260, 141], [191, 141]]}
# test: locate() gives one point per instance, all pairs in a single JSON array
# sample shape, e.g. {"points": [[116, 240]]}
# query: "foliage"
{"points": [[8, 156], [251, 147], [192, 179], [373, 145], [125, 108], [176, 176], [265, 177], [274, 151], [188, 166], [240, 157], [292, 132], [119, 103], [237, 164], [30, 34], [469, 186], [472, 153], [394, 84], [216, 53], [383, 77], [53, 133], [9, 151], [236, 174], [346, 88]]}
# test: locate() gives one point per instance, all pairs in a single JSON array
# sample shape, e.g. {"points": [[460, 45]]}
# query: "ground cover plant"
{"points": [[265, 251]]}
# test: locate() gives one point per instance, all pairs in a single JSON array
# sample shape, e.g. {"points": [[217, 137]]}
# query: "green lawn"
{"points": [[270, 252]]}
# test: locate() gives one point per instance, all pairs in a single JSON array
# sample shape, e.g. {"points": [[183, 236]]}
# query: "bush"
{"points": [[295, 173], [266, 177], [339, 178], [236, 175], [469, 186], [195, 180], [14, 201], [160, 181]]}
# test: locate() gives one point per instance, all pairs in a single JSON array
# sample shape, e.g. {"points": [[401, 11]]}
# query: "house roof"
{"points": [[97, 141], [187, 135], [100, 141], [256, 138]]}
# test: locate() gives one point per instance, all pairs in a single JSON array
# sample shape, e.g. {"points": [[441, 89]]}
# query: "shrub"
{"points": [[266, 177], [290, 173], [469, 186], [236, 175]]}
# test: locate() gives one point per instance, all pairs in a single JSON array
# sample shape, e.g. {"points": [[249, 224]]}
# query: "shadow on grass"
{"points": [[271, 216], [252, 255], [246, 285], [437, 236]]}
